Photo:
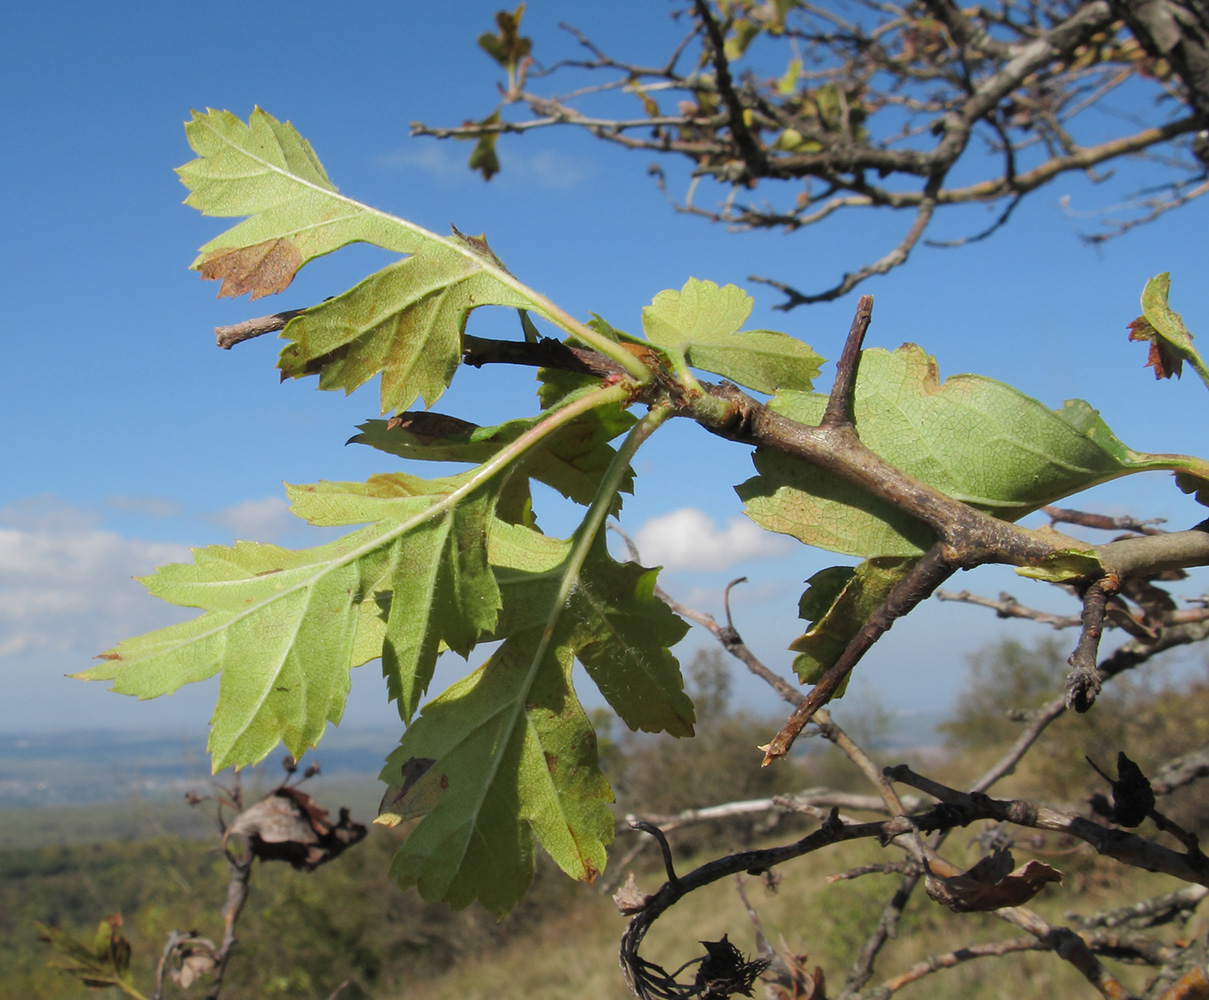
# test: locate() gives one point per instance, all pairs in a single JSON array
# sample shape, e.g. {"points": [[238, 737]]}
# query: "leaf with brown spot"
{"points": [[405, 322], [264, 269], [266, 171]]}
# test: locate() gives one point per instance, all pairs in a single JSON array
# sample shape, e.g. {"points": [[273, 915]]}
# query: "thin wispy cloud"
{"points": [[147, 504], [445, 163], [689, 539], [263, 520]]}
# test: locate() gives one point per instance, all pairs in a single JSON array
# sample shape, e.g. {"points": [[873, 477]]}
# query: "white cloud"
{"points": [[66, 587], [688, 538], [263, 520], [47, 513]]}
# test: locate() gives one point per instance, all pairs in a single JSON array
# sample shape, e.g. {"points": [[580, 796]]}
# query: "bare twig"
{"points": [[228, 336], [240, 868], [1102, 521]]}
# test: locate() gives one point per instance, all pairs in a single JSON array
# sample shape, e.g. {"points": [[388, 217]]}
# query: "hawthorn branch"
{"points": [[1102, 522], [956, 809], [1008, 607], [924, 577], [1125, 847], [877, 114], [1083, 684]]}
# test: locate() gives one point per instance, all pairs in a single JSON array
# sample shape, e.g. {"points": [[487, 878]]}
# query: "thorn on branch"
{"points": [[839, 403], [917, 586]]}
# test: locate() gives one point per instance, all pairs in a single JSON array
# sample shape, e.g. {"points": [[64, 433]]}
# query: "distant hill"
{"points": [[86, 766]]}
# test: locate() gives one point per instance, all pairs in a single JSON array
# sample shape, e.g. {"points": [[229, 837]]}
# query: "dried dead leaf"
{"points": [[1162, 357], [991, 884], [287, 825], [629, 898]]}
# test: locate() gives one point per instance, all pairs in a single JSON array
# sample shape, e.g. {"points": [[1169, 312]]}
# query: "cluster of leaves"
{"points": [[507, 754]]}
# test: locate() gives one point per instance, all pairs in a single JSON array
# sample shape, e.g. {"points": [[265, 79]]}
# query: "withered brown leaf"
{"points": [[991, 884], [1165, 361], [288, 825]]}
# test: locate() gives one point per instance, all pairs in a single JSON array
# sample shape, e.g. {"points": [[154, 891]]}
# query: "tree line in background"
{"points": [[342, 928]]}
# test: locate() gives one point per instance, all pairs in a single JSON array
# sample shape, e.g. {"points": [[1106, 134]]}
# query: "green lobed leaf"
{"points": [[284, 627], [705, 319], [764, 360], [509, 754], [973, 438], [623, 634], [838, 601], [405, 322], [699, 311], [281, 627], [442, 592]]}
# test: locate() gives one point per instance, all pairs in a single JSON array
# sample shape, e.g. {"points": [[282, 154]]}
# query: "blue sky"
{"points": [[127, 436]]}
